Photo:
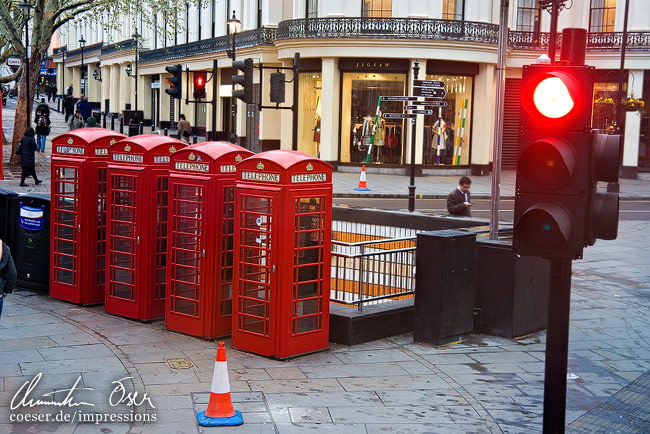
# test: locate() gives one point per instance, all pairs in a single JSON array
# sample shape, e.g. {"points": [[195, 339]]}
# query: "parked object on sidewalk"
{"points": [[79, 169], [7, 273], [32, 252], [362, 180], [27, 148], [200, 238], [220, 411]]}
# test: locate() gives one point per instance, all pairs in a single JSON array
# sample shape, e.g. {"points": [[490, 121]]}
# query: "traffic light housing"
{"points": [[278, 87], [553, 185], [175, 81], [246, 80], [200, 78]]}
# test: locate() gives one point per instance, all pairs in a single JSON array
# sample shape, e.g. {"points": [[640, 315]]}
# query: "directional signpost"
{"points": [[421, 88], [398, 116]]}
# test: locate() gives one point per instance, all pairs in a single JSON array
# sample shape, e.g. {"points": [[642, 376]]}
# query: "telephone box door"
{"points": [[66, 231], [256, 289], [122, 244], [187, 292]]}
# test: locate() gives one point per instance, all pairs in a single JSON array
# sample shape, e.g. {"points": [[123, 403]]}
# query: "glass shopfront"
{"points": [[446, 135], [360, 95], [309, 115]]}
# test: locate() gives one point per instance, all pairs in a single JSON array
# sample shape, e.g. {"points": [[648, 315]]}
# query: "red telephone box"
{"points": [[283, 227], [136, 225], [78, 214], [200, 256]]}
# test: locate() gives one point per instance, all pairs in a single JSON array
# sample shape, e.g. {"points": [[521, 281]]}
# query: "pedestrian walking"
{"points": [[459, 201], [42, 122], [85, 107], [184, 129], [76, 121], [27, 151], [68, 90], [7, 272], [68, 105]]}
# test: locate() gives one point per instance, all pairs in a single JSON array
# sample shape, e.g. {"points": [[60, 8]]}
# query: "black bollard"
{"points": [[194, 139], [104, 121], [121, 125], [141, 128], [112, 123], [166, 132]]}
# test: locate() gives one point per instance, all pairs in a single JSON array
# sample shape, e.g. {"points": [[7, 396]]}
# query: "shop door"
{"points": [[67, 229], [122, 245], [257, 295], [186, 292]]}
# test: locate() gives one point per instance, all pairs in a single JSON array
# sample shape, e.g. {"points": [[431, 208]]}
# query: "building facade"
{"points": [[351, 53]]}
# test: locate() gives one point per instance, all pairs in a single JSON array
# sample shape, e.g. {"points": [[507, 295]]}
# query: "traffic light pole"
{"points": [[416, 71], [557, 346]]}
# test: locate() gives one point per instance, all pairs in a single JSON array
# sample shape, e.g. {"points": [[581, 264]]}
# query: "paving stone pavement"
{"points": [[481, 385]]}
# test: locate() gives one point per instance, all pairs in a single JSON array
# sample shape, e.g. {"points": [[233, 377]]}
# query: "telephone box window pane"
{"points": [[161, 236], [255, 235], [65, 276], [186, 242], [122, 242], [308, 265], [101, 226], [227, 252]]}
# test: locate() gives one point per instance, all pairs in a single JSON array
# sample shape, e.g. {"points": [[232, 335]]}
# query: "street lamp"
{"points": [[233, 26], [97, 75], [82, 44], [26, 9], [136, 43]]}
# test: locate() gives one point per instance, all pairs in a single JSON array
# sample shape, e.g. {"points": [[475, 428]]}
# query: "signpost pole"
{"points": [[416, 71]]}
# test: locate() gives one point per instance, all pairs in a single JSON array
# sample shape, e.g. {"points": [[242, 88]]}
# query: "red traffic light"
{"points": [[552, 98], [557, 97], [199, 84]]}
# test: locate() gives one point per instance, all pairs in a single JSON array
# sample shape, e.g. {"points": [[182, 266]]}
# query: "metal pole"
{"points": [[233, 132], [296, 94], [215, 95], [416, 72], [557, 346], [620, 117], [137, 118], [496, 151], [555, 10], [28, 104], [83, 82], [63, 75]]}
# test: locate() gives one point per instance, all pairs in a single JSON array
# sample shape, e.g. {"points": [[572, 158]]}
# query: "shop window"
{"points": [[453, 10], [602, 16], [528, 12], [446, 136], [309, 115], [361, 92], [604, 110], [377, 9], [312, 9]]}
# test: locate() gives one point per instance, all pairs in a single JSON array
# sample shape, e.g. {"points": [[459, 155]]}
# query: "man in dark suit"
{"points": [[459, 201]]}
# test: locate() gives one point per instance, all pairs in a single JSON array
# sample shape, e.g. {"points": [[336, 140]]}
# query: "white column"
{"points": [[115, 88], [483, 117], [330, 110], [106, 85]]}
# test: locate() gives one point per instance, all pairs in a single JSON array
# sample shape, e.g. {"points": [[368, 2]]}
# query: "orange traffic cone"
{"points": [[362, 180], [220, 411]]}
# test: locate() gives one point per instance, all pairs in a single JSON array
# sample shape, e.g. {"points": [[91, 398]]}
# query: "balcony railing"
{"points": [[388, 28], [249, 38], [609, 41]]}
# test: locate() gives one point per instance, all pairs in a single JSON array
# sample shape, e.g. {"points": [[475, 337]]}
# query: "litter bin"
{"points": [[134, 130], [8, 217], [32, 251], [97, 116]]}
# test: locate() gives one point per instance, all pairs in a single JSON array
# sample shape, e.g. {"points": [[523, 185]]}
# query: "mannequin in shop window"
{"points": [[439, 139]]}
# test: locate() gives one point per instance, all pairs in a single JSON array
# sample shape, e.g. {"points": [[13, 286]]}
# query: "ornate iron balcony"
{"points": [[249, 38], [388, 28], [126, 45], [610, 41]]}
